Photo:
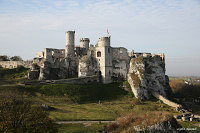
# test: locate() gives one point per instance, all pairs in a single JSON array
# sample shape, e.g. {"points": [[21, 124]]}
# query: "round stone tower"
{"points": [[69, 50], [84, 43], [104, 58], [104, 41]]}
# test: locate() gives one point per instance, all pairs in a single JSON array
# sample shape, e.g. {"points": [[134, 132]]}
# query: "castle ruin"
{"points": [[112, 63]]}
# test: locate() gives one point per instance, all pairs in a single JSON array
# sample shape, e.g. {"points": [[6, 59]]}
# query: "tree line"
{"points": [[7, 58]]}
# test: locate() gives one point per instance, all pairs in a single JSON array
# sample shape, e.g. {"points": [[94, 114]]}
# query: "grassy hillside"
{"points": [[19, 72], [12, 76], [86, 102]]}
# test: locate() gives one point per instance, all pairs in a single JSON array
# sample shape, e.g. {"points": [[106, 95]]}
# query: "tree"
{"points": [[19, 115], [4, 58], [16, 58]]}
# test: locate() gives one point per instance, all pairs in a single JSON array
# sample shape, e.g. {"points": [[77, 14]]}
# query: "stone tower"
{"points": [[104, 58], [69, 50], [84, 43]]}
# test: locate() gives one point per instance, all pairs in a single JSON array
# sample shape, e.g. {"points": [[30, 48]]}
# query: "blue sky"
{"points": [[158, 26]]}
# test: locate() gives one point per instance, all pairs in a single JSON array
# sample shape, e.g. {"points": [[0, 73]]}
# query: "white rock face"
{"points": [[147, 74]]}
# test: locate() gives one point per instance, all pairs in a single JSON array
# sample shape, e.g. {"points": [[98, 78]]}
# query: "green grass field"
{"points": [[80, 128]]}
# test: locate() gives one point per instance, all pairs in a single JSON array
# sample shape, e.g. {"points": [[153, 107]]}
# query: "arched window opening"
{"points": [[98, 54]]}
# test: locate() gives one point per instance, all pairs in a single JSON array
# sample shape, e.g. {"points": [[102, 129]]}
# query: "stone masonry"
{"points": [[112, 63]]}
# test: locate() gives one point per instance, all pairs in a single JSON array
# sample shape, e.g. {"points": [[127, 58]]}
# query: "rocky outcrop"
{"points": [[155, 121], [88, 66], [146, 74], [170, 125]]}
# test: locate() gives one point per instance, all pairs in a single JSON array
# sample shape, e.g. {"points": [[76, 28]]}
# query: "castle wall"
{"points": [[40, 54], [79, 51], [50, 54], [120, 63], [87, 66], [120, 69], [15, 64], [84, 43], [165, 100], [80, 80]]}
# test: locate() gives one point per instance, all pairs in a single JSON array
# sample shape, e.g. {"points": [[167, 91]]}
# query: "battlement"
{"points": [[84, 39], [70, 31], [104, 41], [104, 38]]}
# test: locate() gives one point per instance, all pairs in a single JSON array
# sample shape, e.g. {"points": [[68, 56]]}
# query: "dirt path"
{"points": [[81, 122]]}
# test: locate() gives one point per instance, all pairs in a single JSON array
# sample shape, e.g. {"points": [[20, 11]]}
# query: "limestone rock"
{"points": [[163, 126], [146, 74], [170, 125], [87, 66]]}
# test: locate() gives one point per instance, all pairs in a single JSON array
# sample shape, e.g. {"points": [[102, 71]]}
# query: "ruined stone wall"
{"points": [[120, 62], [84, 43], [165, 100], [80, 80], [91, 51], [51, 54], [79, 51], [15, 64], [88, 66], [40, 54]]}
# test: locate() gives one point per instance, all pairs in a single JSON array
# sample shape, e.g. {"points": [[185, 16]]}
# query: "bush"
{"points": [[84, 93], [12, 73], [19, 115]]}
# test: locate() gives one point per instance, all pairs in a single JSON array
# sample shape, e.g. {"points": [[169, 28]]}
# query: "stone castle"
{"points": [[112, 63]]}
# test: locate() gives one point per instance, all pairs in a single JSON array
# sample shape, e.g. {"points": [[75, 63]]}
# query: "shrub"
{"points": [[13, 73]]}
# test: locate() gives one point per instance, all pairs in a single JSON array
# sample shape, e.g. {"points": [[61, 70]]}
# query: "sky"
{"points": [[157, 26]]}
